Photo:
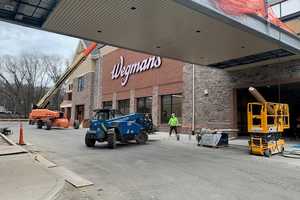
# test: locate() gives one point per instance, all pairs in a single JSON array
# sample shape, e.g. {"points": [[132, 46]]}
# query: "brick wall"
{"points": [[217, 109], [167, 79], [169, 72]]}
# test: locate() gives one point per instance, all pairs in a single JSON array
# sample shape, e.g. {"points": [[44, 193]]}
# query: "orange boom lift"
{"points": [[48, 118]]}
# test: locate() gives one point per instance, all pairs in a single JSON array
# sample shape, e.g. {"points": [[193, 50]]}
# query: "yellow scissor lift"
{"points": [[266, 124]]}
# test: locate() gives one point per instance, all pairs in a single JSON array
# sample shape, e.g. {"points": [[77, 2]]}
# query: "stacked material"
{"points": [[213, 138]]}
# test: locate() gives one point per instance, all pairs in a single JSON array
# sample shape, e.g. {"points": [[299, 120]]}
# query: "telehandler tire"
{"points": [[111, 139], [142, 138], [48, 125], [89, 142], [39, 124]]}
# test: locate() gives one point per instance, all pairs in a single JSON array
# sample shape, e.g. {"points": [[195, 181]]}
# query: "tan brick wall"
{"points": [[84, 97]]}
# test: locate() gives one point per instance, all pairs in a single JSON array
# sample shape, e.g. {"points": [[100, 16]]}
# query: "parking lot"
{"points": [[164, 168]]}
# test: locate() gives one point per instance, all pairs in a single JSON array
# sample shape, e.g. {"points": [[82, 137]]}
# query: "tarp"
{"points": [[256, 7], [241, 7]]}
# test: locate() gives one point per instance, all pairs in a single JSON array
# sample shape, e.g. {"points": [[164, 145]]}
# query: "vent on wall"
{"points": [[278, 53]]}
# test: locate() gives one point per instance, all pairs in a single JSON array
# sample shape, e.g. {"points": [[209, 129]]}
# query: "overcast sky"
{"points": [[16, 40]]}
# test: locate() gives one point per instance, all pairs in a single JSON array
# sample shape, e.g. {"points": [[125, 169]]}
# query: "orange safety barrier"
{"points": [[256, 7]]}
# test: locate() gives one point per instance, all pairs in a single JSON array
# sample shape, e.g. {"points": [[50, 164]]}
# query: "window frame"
{"points": [[144, 104], [122, 110], [80, 84], [107, 106], [164, 120]]}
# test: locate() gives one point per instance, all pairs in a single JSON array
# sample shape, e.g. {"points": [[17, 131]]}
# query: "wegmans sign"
{"points": [[123, 71]]}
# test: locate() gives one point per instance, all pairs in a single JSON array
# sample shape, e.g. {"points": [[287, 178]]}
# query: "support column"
{"points": [[155, 106], [98, 82], [114, 101], [132, 101], [73, 109]]}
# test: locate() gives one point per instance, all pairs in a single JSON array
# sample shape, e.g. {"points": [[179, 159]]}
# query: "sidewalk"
{"points": [[184, 138], [21, 178], [191, 139]]}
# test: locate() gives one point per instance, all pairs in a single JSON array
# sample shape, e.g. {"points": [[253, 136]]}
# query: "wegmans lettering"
{"points": [[123, 71]]}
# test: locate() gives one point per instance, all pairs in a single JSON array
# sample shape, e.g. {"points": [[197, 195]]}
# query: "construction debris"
{"points": [[212, 138], [5, 131]]}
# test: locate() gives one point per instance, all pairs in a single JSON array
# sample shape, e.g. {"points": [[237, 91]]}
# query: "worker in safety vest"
{"points": [[173, 123]]}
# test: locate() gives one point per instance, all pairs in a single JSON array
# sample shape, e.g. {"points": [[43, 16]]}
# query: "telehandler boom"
{"points": [[48, 118]]}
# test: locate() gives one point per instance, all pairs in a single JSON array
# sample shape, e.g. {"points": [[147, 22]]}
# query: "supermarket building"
{"points": [[232, 51], [209, 96], [201, 96], [127, 81]]}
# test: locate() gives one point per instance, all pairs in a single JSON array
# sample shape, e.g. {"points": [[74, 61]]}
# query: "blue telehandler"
{"points": [[111, 126]]}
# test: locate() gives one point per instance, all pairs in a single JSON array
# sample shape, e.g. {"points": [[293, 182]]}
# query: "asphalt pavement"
{"points": [[164, 169]]}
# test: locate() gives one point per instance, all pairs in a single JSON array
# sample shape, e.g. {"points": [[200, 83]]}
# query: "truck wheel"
{"points": [[39, 124], [48, 125], [76, 124], [142, 138], [89, 142], [111, 139]]}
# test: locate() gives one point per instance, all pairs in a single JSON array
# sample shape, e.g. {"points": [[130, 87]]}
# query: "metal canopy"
{"points": [[27, 12], [189, 30]]}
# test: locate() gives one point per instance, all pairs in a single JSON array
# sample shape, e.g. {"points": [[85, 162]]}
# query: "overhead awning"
{"points": [[194, 31]]}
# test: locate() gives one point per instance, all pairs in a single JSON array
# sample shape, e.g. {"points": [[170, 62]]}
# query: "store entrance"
{"points": [[287, 93]]}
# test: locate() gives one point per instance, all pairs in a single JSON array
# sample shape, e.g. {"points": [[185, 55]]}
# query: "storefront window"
{"points": [[144, 105], [171, 104], [107, 104], [123, 106]]}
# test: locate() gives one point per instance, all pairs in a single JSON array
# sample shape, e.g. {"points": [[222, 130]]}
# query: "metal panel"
{"points": [[278, 53], [26, 12], [188, 30], [275, 2]]}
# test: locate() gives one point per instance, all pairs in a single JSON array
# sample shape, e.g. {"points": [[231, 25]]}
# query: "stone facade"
{"points": [[212, 110], [218, 108]]}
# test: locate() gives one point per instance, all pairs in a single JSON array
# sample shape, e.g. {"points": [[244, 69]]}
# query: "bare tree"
{"points": [[55, 66], [26, 78], [13, 78]]}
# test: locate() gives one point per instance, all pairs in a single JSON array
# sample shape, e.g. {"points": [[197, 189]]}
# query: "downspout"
{"points": [[193, 102]]}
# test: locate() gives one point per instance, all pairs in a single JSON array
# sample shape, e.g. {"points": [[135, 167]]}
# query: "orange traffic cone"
{"points": [[21, 135]]}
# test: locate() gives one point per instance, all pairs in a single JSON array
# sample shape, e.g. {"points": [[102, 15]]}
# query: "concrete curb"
{"points": [[17, 149], [54, 194], [60, 183], [7, 140], [56, 191]]}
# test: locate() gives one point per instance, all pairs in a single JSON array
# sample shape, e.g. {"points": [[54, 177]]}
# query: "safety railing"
{"points": [[254, 7], [268, 117]]}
